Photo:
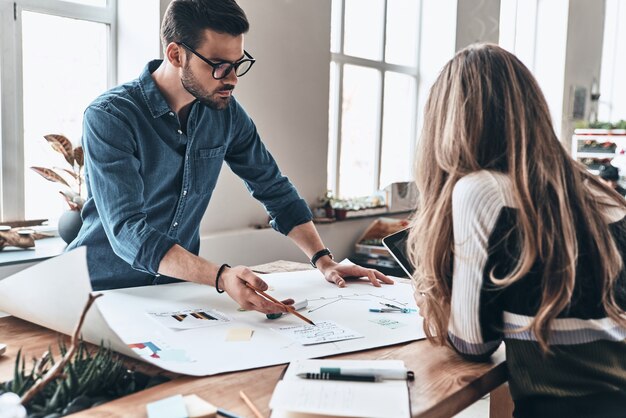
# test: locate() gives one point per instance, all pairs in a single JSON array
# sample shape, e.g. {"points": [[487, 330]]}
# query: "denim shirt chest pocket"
{"points": [[207, 164]]}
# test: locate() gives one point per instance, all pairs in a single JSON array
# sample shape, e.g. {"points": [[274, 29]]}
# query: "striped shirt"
{"points": [[589, 349]]}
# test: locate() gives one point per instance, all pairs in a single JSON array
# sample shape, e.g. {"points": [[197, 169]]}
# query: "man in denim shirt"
{"points": [[153, 152]]}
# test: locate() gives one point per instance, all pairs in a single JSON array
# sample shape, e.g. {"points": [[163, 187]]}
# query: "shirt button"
{"points": [[171, 113], [180, 132], [184, 192], [175, 224]]}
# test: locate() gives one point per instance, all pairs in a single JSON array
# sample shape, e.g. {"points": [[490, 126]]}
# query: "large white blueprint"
{"points": [[52, 294]]}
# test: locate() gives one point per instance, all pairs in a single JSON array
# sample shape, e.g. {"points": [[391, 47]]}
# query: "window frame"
{"points": [[338, 59], [12, 196], [612, 40]]}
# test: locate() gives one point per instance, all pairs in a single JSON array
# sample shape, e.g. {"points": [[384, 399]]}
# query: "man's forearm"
{"points": [[181, 264], [308, 240]]}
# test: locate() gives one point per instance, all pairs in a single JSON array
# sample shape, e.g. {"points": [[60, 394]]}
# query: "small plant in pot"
{"points": [[72, 178]]}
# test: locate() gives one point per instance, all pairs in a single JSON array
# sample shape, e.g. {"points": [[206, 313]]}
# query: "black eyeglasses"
{"points": [[223, 68]]}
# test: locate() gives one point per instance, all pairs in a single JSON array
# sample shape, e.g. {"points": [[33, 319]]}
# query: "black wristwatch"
{"points": [[320, 254]]}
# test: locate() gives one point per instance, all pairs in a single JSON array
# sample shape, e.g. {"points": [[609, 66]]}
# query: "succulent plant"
{"points": [[601, 125]]}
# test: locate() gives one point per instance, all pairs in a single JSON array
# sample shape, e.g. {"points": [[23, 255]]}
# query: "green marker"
{"points": [[297, 306]]}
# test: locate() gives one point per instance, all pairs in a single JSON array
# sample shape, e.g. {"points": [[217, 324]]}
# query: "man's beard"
{"points": [[191, 84]]}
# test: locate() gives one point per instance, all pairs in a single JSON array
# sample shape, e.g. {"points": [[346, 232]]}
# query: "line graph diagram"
{"points": [[322, 302]]}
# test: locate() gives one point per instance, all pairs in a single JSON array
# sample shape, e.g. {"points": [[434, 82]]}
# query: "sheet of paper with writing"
{"points": [[172, 325], [296, 397], [321, 332]]}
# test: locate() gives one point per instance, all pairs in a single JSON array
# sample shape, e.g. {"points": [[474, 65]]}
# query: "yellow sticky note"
{"points": [[198, 407], [239, 334]]}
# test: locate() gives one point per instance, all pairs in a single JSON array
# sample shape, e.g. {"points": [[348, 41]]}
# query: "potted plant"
{"points": [[326, 205], [72, 180]]}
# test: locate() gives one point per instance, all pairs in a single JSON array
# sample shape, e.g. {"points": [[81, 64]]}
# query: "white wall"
{"points": [[286, 94]]}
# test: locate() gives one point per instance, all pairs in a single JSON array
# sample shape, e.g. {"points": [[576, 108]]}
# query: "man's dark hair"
{"points": [[185, 20]]}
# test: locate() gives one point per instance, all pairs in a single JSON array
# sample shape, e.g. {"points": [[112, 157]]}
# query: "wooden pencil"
{"points": [[252, 406], [272, 299]]}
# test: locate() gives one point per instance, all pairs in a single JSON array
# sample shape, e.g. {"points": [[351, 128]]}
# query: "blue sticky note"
{"points": [[172, 407], [174, 355]]}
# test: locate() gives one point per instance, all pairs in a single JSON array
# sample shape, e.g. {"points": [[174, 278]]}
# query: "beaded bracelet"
{"points": [[217, 278]]}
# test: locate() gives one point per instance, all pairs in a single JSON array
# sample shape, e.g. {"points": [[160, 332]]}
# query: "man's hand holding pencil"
{"points": [[242, 285]]}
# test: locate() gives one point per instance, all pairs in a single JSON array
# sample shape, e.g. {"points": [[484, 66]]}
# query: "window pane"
{"points": [[364, 28], [398, 136], [64, 69], [402, 24], [359, 126], [613, 85]]}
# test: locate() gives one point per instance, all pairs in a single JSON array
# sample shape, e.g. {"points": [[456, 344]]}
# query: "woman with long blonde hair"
{"points": [[514, 240]]}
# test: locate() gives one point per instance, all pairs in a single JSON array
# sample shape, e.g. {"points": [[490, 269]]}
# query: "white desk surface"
{"points": [[44, 248]]}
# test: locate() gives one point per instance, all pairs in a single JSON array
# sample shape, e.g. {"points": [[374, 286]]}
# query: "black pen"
{"points": [[226, 413], [337, 376]]}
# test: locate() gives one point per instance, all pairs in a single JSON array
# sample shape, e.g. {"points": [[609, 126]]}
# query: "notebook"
{"points": [[295, 397]]}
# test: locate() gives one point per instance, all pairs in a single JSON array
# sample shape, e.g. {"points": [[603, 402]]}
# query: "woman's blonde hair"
{"points": [[487, 112]]}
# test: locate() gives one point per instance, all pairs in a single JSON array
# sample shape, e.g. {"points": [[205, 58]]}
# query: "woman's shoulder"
{"points": [[481, 187], [483, 178]]}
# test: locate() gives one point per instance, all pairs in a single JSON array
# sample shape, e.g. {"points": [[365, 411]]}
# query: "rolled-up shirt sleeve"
{"points": [[253, 163], [115, 184]]}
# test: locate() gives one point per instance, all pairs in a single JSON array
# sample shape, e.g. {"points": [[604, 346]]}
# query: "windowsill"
{"points": [[44, 248], [374, 215]]}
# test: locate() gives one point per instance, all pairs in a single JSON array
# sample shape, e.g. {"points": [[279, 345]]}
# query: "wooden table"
{"points": [[444, 385]]}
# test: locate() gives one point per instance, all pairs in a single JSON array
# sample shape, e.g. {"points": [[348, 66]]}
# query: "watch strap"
{"points": [[321, 253]]}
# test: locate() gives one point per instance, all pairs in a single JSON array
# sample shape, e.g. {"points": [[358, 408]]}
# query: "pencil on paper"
{"points": [[289, 308], [252, 406]]}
